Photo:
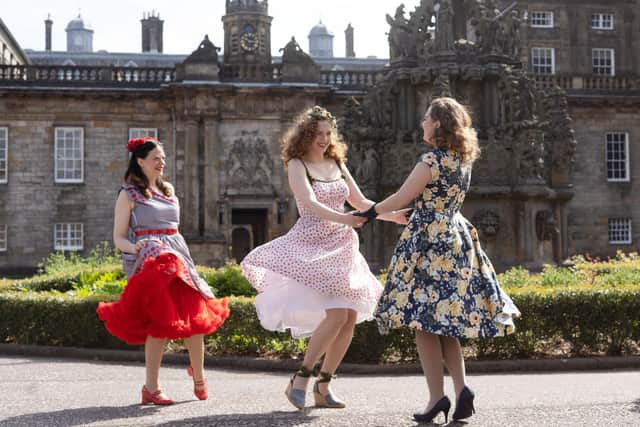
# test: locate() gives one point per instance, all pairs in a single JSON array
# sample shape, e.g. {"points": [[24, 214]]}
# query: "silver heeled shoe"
{"points": [[328, 400], [297, 396]]}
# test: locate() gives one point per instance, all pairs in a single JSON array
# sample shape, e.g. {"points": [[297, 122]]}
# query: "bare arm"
{"points": [[359, 201], [419, 177], [304, 193], [356, 198], [122, 214]]}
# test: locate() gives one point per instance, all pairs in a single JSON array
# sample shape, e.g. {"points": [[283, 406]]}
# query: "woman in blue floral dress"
{"points": [[440, 281]]}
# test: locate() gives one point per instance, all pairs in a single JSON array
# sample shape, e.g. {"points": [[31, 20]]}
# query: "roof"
{"points": [[162, 60], [77, 24], [320, 30], [14, 43]]}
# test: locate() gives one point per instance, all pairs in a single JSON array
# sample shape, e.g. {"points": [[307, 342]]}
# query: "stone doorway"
{"points": [[248, 230]]}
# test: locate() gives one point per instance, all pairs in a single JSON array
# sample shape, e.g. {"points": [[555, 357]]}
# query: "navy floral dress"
{"points": [[439, 279]]}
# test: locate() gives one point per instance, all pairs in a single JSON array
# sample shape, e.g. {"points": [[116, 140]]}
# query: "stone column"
{"points": [[189, 206], [212, 155]]}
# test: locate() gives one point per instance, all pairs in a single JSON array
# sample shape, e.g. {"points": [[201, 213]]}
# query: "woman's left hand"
{"points": [[400, 217]]}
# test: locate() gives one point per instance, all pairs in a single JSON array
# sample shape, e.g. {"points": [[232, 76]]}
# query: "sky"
{"points": [[116, 23]]}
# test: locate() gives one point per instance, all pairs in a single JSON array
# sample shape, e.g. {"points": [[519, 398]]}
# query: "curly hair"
{"points": [[455, 131], [298, 138], [136, 177]]}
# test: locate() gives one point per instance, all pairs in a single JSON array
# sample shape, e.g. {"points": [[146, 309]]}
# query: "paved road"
{"points": [[65, 392]]}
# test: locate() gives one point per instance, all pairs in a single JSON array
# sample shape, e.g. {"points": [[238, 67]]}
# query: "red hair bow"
{"points": [[136, 142]]}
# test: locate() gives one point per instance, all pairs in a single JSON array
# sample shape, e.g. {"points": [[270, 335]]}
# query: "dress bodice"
{"points": [[443, 196], [157, 213], [332, 194]]}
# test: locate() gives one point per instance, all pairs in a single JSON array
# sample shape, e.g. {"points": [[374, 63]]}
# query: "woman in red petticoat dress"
{"points": [[164, 297]]}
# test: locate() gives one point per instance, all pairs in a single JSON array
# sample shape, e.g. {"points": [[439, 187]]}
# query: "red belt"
{"points": [[161, 231]]}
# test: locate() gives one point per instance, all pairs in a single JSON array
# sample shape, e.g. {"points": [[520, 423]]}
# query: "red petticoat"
{"points": [[157, 303]]}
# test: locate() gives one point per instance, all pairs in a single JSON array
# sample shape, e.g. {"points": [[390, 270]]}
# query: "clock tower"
{"points": [[247, 32]]}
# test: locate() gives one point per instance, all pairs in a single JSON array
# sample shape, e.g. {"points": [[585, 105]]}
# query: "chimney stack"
{"points": [[152, 32], [47, 33], [349, 39]]}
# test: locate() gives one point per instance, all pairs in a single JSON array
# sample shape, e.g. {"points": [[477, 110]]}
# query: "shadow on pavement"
{"points": [[636, 406], [273, 419], [80, 416]]}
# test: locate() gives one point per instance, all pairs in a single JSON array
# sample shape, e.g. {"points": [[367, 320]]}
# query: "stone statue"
{"points": [[444, 28], [401, 43], [368, 172]]}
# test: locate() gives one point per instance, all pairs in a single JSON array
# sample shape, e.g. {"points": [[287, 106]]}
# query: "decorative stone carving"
{"points": [[202, 64], [487, 222], [546, 227], [293, 53], [529, 152], [560, 137], [249, 165], [298, 65], [441, 85]]}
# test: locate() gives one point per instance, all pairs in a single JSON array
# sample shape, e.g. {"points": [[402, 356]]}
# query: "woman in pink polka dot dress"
{"points": [[313, 280]]}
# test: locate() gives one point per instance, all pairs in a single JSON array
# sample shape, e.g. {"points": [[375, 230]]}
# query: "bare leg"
{"points": [[430, 351], [322, 337], [454, 361], [153, 351], [195, 347], [338, 348]]}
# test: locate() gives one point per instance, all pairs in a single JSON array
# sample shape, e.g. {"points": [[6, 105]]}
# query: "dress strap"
{"points": [[340, 169], [309, 177]]}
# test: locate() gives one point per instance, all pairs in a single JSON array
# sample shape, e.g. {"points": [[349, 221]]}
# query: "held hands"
{"points": [[354, 221]]}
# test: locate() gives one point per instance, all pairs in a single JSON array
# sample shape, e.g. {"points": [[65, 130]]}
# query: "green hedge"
{"points": [[582, 321]]}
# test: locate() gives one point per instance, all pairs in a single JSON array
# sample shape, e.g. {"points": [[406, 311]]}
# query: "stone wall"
{"points": [[595, 199], [31, 201]]}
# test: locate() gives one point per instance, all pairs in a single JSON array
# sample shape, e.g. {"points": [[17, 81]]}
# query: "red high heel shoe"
{"points": [[148, 397], [199, 386]]}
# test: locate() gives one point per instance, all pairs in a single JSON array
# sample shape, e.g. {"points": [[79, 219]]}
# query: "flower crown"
{"points": [[320, 114], [137, 142]]}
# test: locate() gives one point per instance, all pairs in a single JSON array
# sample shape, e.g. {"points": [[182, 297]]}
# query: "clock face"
{"points": [[249, 39]]}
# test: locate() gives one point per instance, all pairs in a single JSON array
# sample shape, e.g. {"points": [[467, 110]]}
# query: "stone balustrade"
{"points": [[586, 82], [340, 79]]}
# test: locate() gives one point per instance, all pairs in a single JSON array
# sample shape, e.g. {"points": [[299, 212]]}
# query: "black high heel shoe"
{"points": [[443, 405], [464, 406]]}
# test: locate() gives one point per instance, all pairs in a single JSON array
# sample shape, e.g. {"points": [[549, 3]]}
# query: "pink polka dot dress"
{"points": [[316, 266]]}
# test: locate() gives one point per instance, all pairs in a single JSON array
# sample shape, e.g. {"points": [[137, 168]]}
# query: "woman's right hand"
{"points": [[141, 243], [354, 221]]}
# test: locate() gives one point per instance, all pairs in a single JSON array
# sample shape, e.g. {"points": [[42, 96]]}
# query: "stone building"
{"points": [[555, 92], [11, 53]]}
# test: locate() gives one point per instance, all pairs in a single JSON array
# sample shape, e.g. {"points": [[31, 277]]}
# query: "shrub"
{"points": [[227, 280]]}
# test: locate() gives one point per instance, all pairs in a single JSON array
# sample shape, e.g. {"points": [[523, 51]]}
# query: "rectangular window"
{"points": [[68, 237], [617, 153], [620, 230], [543, 60], [69, 155], [142, 132], [602, 21], [4, 154], [541, 19], [603, 62], [3, 237]]}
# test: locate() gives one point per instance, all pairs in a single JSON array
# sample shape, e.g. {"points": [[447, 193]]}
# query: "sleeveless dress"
{"points": [[440, 280], [164, 296], [316, 266]]}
